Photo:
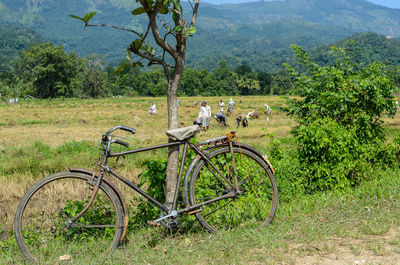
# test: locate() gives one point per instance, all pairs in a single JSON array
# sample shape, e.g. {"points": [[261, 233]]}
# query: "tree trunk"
{"points": [[173, 153]]}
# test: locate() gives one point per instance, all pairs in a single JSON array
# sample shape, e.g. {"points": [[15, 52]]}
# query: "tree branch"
{"points": [[115, 27], [159, 40], [195, 10], [152, 14], [148, 57]]}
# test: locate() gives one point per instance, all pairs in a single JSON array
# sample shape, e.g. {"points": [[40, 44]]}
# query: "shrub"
{"points": [[353, 96], [330, 156], [340, 139]]}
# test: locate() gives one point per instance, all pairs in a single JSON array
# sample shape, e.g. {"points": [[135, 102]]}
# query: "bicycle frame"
{"points": [[172, 212]]}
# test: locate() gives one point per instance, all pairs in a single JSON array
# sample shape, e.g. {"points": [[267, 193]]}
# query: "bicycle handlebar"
{"points": [[120, 127], [117, 141]]}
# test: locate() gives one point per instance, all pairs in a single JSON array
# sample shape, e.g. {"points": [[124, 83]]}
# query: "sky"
{"points": [[387, 3]]}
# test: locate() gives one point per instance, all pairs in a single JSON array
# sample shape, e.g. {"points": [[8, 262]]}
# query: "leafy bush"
{"points": [[154, 178], [353, 96], [330, 156], [340, 139]]}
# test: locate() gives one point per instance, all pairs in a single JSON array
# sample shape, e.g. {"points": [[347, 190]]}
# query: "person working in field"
{"points": [[197, 121], [243, 120], [221, 106], [253, 114], [221, 119], [153, 109], [268, 111], [205, 115], [230, 106]]}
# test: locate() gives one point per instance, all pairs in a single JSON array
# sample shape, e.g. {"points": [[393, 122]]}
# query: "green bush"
{"points": [[153, 177], [286, 166], [340, 138], [330, 156], [353, 96]]}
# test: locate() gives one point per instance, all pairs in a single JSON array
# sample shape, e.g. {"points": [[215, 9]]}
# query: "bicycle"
{"points": [[226, 185]]}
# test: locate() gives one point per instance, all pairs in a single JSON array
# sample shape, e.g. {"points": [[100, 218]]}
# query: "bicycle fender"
{"points": [[117, 192], [250, 148], [186, 179]]}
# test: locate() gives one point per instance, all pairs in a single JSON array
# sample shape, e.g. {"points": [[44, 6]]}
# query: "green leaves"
{"points": [[340, 134], [163, 10], [86, 18], [177, 29], [128, 54], [177, 5], [138, 11], [122, 69], [192, 30]]}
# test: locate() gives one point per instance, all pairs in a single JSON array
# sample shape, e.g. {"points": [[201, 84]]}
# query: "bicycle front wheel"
{"points": [[257, 201], [41, 228]]}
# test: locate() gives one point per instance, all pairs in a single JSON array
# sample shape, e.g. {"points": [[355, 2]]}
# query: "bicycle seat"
{"points": [[183, 133]]}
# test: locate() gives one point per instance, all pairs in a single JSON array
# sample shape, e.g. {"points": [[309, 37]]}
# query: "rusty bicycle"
{"points": [[228, 184]]}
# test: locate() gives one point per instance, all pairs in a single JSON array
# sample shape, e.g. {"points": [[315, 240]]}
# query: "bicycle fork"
{"points": [[96, 188], [70, 222]]}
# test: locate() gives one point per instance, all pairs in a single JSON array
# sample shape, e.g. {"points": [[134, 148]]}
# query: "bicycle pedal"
{"points": [[195, 211], [152, 223]]}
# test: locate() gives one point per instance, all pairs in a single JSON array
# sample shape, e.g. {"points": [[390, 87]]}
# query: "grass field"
{"points": [[40, 137]]}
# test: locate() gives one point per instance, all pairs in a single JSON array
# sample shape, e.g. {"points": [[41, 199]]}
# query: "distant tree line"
{"points": [[47, 71]]}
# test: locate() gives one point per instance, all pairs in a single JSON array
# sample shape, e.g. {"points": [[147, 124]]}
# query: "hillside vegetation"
{"points": [[257, 33], [12, 40]]}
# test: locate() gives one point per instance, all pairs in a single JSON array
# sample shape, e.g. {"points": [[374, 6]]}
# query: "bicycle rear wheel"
{"points": [[255, 205], [40, 222]]}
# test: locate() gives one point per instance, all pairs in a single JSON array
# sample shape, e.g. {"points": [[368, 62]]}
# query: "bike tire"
{"points": [[40, 222], [256, 206]]}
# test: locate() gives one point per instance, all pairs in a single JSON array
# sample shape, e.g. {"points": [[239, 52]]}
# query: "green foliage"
{"points": [[101, 212], [331, 156], [40, 159], [254, 34], [154, 178], [352, 96], [47, 70], [12, 40], [340, 138], [86, 18], [362, 48], [276, 149], [92, 80]]}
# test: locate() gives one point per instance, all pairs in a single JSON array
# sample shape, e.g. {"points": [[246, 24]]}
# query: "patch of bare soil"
{"points": [[383, 249]]}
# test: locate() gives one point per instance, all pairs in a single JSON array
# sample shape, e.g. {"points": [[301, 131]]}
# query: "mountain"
{"points": [[14, 39], [262, 47], [355, 15], [371, 47], [257, 33]]}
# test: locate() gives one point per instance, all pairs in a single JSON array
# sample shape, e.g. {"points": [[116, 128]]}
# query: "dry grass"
{"points": [[56, 122]]}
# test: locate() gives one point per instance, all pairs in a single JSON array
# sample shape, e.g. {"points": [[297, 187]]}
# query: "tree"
{"points": [[92, 78], [243, 69], [155, 11], [126, 82], [48, 70]]}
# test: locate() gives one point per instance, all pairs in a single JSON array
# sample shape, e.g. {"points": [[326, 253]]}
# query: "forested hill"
{"points": [[371, 47], [356, 15], [14, 39], [257, 34]]}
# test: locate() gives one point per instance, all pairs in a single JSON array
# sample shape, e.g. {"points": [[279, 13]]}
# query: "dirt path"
{"points": [[378, 249]]}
